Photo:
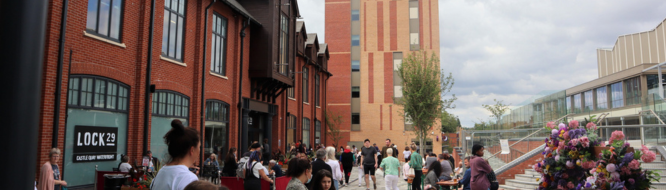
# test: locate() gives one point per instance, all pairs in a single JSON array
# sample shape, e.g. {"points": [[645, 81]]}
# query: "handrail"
{"points": [[520, 159], [601, 118], [530, 135], [655, 115]]}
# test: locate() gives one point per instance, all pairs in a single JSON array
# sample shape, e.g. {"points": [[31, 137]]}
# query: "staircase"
{"points": [[528, 180]]}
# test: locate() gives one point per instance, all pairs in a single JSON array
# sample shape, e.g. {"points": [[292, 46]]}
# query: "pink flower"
{"points": [[551, 125], [561, 126], [585, 142], [561, 145], [602, 144], [632, 181], [573, 124], [634, 165], [574, 142], [588, 165], [565, 136], [611, 167], [591, 126], [557, 157], [569, 164], [570, 185], [625, 170], [615, 176], [554, 131], [648, 156], [616, 135]]}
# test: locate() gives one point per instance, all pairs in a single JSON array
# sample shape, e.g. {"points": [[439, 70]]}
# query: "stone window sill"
{"points": [[93, 36], [173, 61], [218, 75], [294, 99]]}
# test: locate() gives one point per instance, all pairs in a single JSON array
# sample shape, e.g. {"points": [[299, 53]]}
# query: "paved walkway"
{"points": [[379, 175]]}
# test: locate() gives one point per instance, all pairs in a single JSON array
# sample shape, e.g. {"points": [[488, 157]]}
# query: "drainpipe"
{"points": [[61, 49], [203, 85], [326, 98], [146, 98], [315, 109], [307, 60], [240, 91]]}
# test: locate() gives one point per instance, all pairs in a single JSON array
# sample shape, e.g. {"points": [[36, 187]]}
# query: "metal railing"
{"points": [[528, 136]]}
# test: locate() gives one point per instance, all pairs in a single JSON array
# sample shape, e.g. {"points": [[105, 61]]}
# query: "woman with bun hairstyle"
{"points": [[254, 171], [183, 146]]}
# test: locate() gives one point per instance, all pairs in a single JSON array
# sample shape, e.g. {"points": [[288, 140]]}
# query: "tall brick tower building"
{"points": [[368, 40]]}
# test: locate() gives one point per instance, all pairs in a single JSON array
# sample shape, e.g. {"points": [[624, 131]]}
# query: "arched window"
{"points": [[170, 104], [217, 128], [92, 92]]}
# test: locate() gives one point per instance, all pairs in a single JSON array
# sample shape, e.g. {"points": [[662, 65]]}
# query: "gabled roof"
{"points": [[312, 37], [239, 8], [299, 25], [323, 48]]}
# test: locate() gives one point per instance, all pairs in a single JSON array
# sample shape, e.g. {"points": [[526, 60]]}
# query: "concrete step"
{"points": [[521, 184], [507, 187], [525, 178], [532, 172]]}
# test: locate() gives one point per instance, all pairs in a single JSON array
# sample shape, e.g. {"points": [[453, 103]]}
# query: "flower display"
{"points": [[571, 163]]}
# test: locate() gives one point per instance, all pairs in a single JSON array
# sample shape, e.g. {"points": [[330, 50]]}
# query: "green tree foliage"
{"points": [[425, 91], [333, 121], [497, 110], [449, 122]]}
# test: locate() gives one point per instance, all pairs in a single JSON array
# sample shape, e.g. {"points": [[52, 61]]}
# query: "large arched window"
{"points": [[95, 105], [170, 104], [217, 128], [167, 106]]}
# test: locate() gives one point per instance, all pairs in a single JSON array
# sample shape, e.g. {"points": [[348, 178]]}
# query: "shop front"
{"points": [[96, 131]]}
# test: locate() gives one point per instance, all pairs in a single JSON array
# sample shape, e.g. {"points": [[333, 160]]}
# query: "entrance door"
{"points": [[255, 125]]}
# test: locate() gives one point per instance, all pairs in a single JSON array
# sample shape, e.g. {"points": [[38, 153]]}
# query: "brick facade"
{"points": [[125, 62]]}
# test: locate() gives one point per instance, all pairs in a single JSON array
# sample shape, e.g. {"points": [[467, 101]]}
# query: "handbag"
{"points": [[494, 185]]}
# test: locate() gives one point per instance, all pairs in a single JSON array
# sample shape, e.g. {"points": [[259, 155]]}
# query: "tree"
{"points": [[449, 122], [424, 91], [497, 110], [333, 121]]}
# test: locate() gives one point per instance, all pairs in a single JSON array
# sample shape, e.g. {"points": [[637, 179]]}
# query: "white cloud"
{"points": [[512, 50]]}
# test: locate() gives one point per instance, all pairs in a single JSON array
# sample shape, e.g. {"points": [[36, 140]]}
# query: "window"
{"points": [[107, 94], [356, 92], [414, 43], [356, 118], [104, 18], [290, 92], [356, 65], [653, 83], [305, 84], [218, 45], [317, 89], [568, 104], [617, 98], [633, 88], [306, 130], [284, 45], [170, 104], [317, 132], [172, 33], [589, 101], [356, 40], [291, 129], [355, 15], [577, 103], [216, 130], [602, 98], [217, 111]]}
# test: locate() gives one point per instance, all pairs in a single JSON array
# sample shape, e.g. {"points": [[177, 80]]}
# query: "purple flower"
{"points": [[632, 181], [561, 126], [617, 185], [628, 157]]}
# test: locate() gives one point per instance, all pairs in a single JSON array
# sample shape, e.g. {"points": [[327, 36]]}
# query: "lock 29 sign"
{"points": [[95, 143]]}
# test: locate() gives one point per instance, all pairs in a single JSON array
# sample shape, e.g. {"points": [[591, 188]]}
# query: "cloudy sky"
{"points": [[514, 50]]}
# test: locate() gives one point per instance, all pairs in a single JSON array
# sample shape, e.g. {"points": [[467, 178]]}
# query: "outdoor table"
{"points": [[449, 183]]}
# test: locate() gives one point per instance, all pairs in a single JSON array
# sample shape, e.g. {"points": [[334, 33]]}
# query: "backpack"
{"points": [[241, 167]]}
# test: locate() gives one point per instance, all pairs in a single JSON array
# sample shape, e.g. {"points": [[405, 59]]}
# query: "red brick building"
{"points": [[248, 56]]}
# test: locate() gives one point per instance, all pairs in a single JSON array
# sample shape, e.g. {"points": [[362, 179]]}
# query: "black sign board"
{"points": [[95, 143]]}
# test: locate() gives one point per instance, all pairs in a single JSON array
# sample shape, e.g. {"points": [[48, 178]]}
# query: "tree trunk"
{"points": [[421, 146]]}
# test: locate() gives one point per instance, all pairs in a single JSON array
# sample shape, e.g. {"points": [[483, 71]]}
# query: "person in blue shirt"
{"points": [[468, 175], [275, 169]]}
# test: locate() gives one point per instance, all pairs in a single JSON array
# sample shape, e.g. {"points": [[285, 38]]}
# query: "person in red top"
{"points": [[480, 169], [347, 160]]}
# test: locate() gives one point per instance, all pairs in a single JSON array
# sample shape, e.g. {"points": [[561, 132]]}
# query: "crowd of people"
{"points": [[329, 167]]}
